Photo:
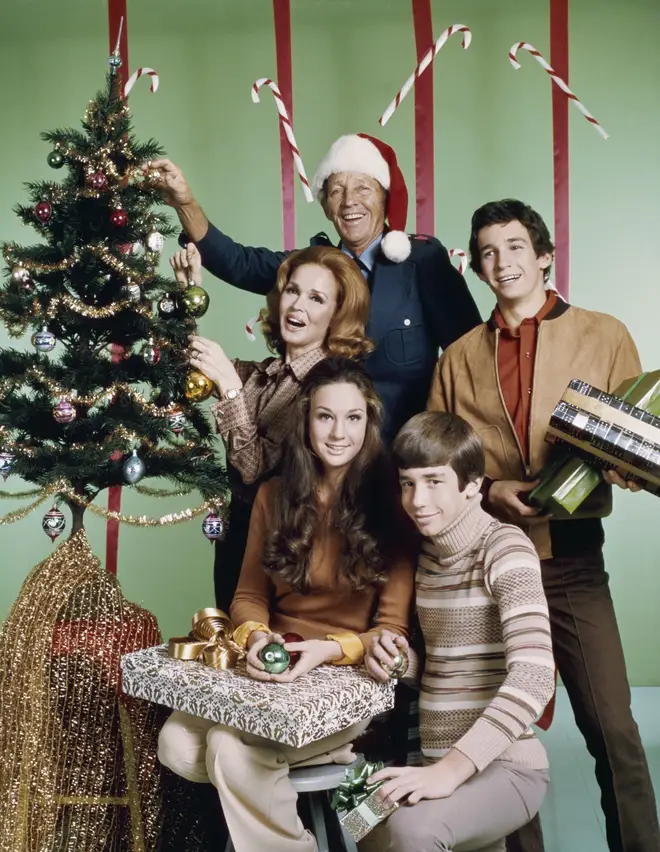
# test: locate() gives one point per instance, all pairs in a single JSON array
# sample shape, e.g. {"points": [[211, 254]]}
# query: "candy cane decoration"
{"points": [[249, 328], [423, 65], [462, 259], [288, 129], [135, 76], [556, 79]]}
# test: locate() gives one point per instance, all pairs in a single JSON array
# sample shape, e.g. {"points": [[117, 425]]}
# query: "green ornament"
{"points": [[195, 301], [55, 160], [275, 658]]}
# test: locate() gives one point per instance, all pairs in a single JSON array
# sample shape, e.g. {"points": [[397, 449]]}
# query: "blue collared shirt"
{"points": [[368, 257]]}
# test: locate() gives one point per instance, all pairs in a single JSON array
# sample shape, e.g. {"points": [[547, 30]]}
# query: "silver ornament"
{"points": [[151, 353], [64, 412], [213, 527], [134, 468], [44, 340], [53, 523], [155, 241], [20, 275], [167, 305], [6, 464], [131, 292], [177, 420]]}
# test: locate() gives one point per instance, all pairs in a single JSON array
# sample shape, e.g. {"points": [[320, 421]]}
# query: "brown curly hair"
{"points": [[365, 512], [346, 332]]}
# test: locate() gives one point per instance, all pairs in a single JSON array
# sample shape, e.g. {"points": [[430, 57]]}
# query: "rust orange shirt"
{"points": [[515, 365]]}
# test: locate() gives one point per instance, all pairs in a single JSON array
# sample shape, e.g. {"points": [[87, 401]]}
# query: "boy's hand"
{"points": [[384, 648], [504, 498], [615, 478], [424, 782]]}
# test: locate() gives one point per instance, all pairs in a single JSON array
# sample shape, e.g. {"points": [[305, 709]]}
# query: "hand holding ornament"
{"points": [[187, 265], [313, 653], [257, 641], [208, 357], [169, 178], [387, 656]]}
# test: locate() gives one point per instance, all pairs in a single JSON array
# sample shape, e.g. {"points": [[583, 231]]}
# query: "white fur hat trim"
{"points": [[352, 153]]}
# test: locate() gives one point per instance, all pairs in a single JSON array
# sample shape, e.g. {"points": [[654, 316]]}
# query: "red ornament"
{"points": [[98, 181], [118, 218], [293, 637], [43, 211], [125, 248]]}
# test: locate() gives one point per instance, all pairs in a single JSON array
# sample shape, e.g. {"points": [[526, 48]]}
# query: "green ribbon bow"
{"points": [[354, 789]]}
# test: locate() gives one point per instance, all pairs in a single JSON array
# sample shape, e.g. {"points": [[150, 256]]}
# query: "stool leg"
{"points": [[318, 821]]}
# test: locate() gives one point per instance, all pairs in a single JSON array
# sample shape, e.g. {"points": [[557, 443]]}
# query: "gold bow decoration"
{"points": [[210, 641]]}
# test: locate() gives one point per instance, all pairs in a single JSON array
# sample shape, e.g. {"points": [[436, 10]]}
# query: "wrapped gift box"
{"points": [[315, 705], [568, 483], [359, 821]]}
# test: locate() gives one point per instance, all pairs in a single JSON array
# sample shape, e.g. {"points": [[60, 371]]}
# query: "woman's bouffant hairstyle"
{"points": [[363, 512], [346, 332]]}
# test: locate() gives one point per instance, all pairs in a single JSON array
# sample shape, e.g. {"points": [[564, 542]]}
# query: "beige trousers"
{"points": [[251, 775], [476, 818]]}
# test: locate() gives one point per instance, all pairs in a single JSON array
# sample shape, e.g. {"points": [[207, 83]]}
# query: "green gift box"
{"points": [[568, 483], [362, 808]]}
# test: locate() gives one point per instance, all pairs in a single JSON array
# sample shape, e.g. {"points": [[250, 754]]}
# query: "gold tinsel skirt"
{"points": [[78, 764]]}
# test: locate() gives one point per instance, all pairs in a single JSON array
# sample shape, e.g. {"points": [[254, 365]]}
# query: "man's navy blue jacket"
{"points": [[417, 307]]}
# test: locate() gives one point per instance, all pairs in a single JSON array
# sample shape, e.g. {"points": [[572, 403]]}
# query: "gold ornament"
{"points": [[198, 386]]}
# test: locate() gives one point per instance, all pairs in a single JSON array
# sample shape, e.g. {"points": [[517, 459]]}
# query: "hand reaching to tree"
{"points": [[187, 265]]}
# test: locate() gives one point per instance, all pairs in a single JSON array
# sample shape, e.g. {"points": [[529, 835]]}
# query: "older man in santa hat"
{"points": [[419, 302]]}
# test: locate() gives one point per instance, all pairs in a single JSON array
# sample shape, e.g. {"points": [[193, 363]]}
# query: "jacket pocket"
{"points": [[405, 345]]}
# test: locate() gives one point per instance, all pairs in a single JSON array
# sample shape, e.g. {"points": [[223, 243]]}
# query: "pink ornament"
{"points": [[64, 412]]}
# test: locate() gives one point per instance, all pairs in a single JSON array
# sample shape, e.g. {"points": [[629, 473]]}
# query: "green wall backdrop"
{"points": [[493, 139]]}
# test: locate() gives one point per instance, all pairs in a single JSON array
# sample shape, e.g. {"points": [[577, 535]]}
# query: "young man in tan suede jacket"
{"points": [[505, 378]]}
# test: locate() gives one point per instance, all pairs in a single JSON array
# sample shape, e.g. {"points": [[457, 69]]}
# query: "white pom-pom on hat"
{"points": [[396, 246]]}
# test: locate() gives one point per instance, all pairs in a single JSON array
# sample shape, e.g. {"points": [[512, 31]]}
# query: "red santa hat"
{"points": [[369, 156]]}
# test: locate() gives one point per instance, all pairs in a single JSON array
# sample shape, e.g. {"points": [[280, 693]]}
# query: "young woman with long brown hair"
{"points": [[326, 558], [318, 307]]}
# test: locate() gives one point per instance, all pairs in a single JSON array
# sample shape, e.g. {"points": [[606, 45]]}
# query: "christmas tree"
{"points": [[106, 397]]}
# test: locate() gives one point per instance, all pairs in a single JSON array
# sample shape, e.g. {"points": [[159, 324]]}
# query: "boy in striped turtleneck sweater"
{"points": [[488, 670]]}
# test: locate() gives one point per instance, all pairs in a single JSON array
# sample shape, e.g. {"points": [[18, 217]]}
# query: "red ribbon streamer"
{"points": [[424, 153], [116, 12], [282, 16], [559, 61]]}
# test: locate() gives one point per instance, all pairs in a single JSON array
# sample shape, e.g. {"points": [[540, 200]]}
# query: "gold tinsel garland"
{"points": [[36, 375], [63, 488], [85, 310]]}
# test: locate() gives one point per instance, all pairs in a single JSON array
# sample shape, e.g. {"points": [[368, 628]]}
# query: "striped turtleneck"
{"points": [[489, 669]]}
